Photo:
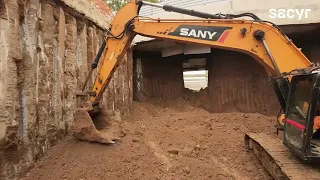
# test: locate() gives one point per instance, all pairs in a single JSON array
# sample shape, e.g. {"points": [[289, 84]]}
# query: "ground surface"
{"points": [[171, 140]]}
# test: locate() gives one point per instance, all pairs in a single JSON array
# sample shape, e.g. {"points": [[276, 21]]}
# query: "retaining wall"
{"points": [[46, 48]]}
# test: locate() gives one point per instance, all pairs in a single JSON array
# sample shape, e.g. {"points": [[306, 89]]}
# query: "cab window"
{"points": [[299, 101], [297, 111]]}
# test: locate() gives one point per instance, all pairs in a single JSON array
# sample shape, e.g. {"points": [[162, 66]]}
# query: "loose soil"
{"points": [[163, 140]]}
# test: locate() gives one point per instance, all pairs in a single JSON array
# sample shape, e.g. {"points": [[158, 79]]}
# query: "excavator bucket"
{"points": [[93, 126]]}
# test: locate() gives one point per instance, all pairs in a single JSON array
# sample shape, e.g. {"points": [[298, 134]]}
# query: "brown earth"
{"points": [[163, 140]]}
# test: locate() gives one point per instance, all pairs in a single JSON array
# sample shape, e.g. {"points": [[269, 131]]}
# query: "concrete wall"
{"points": [[238, 83], [46, 48], [157, 77], [309, 44]]}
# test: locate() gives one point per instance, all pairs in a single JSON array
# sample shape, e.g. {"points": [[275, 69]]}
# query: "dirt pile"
{"points": [[164, 140]]}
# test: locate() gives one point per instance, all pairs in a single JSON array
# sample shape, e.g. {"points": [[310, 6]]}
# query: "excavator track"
{"points": [[278, 160]]}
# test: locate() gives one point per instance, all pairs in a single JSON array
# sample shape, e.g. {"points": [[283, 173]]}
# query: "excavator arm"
{"points": [[261, 40]]}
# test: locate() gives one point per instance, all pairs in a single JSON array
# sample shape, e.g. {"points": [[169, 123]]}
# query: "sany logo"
{"points": [[197, 33], [289, 13], [210, 33]]}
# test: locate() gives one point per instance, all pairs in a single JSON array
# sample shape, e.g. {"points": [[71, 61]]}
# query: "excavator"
{"points": [[295, 80]]}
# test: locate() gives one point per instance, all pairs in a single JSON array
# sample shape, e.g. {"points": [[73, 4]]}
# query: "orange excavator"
{"points": [[294, 79]]}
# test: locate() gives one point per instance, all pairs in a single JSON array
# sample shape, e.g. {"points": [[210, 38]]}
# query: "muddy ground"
{"points": [[163, 140]]}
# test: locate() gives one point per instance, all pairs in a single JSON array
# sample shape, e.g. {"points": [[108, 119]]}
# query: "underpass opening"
{"points": [[195, 80], [236, 81], [219, 81], [195, 73]]}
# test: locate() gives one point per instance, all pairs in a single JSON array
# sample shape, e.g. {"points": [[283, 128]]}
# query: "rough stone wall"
{"points": [[46, 48]]}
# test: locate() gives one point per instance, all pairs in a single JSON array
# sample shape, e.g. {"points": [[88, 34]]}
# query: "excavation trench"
{"points": [[46, 48], [175, 133], [164, 139]]}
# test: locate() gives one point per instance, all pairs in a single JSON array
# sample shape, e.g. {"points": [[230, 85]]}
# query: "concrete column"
{"points": [[70, 65]]}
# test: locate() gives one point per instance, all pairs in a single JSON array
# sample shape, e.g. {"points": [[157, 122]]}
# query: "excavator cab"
{"points": [[302, 108]]}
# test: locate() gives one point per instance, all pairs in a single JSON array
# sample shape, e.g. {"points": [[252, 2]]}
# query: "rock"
{"points": [[173, 169], [249, 168], [186, 170], [187, 150], [127, 160], [198, 146], [135, 139], [205, 147], [122, 133], [138, 133], [245, 115], [174, 151]]}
